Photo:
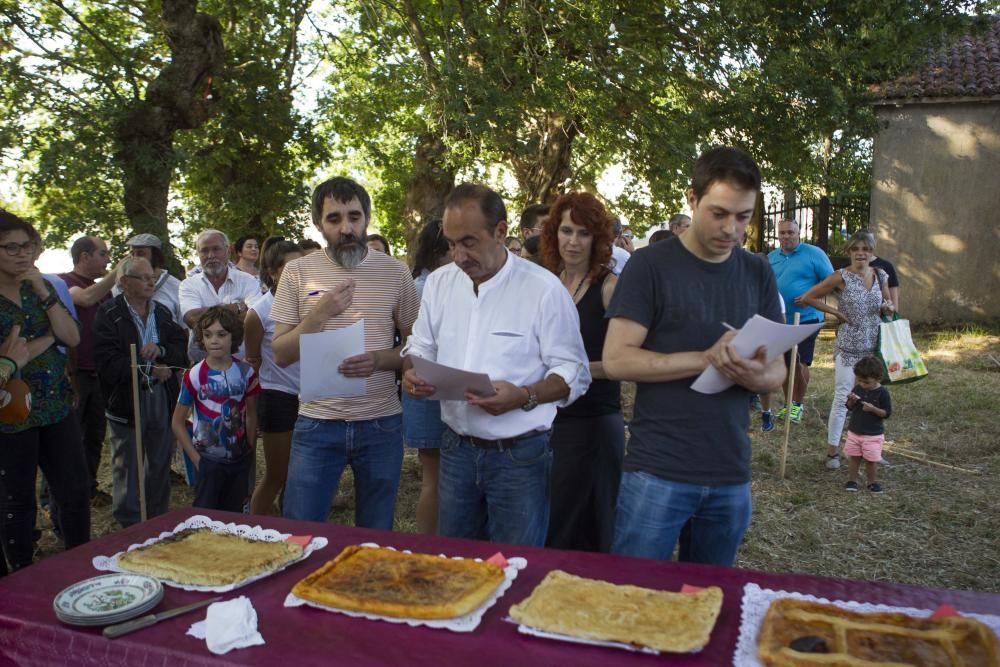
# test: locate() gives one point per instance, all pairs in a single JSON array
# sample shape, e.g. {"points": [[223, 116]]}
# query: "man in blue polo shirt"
{"points": [[798, 266]]}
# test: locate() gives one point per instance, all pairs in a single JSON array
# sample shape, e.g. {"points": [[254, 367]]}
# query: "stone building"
{"points": [[935, 201]]}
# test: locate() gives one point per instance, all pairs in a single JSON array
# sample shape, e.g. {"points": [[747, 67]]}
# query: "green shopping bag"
{"points": [[899, 356]]}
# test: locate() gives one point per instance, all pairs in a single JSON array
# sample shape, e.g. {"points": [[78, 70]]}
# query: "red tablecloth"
{"points": [[30, 634]]}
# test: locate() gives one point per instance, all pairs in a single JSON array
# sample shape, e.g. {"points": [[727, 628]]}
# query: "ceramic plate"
{"points": [[109, 596]]}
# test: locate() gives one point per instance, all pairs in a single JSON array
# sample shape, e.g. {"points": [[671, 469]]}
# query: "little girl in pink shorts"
{"points": [[870, 405]]}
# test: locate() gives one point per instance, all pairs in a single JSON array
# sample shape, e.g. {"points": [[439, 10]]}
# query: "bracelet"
{"points": [[50, 301], [9, 363]]}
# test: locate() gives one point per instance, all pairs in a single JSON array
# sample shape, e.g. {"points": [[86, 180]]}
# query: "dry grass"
{"points": [[933, 527]]}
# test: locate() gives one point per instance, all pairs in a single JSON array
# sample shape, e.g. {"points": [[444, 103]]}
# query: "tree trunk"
{"points": [[544, 175], [431, 180], [179, 98]]}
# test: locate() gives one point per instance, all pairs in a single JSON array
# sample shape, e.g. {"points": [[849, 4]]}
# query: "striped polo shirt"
{"points": [[384, 296]]}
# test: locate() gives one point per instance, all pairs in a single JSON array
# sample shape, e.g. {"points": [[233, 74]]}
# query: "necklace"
{"points": [[579, 286]]}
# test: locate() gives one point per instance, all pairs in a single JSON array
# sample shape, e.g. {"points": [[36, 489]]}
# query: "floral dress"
{"points": [[858, 337]]}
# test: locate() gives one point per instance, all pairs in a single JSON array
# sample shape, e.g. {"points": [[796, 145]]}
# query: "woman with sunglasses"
{"points": [[588, 437], [49, 437]]}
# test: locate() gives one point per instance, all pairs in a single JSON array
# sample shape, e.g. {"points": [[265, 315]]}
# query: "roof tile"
{"points": [[967, 67]]}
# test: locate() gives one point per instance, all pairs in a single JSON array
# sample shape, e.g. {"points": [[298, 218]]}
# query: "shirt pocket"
{"points": [[509, 348]]}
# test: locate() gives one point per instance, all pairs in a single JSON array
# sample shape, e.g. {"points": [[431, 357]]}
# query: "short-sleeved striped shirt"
{"points": [[384, 296]]}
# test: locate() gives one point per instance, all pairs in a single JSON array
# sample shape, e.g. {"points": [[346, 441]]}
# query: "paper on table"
{"points": [[779, 338], [321, 354], [450, 384]]}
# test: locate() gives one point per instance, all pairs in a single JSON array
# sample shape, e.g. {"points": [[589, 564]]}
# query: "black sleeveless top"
{"points": [[604, 396]]}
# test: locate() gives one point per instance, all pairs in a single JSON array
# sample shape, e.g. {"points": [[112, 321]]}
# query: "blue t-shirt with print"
{"points": [[219, 409]]}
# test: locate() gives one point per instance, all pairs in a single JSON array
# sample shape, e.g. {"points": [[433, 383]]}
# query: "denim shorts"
{"points": [[422, 425]]}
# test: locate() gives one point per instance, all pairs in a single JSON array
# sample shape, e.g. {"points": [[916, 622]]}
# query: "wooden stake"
{"points": [[922, 458], [139, 459], [788, 402]]}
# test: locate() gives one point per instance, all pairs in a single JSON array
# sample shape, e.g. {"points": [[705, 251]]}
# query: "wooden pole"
{"points": [[788, 401], [139, 459]]}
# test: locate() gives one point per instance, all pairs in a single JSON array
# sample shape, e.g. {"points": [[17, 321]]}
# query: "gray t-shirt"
{"points": [[677, 433]]}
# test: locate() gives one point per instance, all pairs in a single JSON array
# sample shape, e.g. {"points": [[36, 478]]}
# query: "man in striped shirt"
{"points": [[330, 290]]}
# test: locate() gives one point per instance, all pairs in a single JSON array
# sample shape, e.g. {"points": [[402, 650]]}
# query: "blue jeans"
{"points": [[652, 511], [320, 450], [497, 495]]}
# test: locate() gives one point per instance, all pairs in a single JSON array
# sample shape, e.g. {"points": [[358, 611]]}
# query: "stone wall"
{"points": [[935, 206]]}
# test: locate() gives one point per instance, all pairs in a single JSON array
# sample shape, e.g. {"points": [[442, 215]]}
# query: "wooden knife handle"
{"points": [[119, 629]]}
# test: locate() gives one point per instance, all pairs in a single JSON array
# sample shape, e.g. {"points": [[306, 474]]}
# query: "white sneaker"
{"points": [[833, 462]]}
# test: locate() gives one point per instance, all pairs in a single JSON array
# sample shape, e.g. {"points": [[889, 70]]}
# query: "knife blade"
{"points": [[119, 629]]}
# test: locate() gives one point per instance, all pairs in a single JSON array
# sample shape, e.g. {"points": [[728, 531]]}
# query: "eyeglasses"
{"points": [[147, 279], [15, 249], [628, 236]]}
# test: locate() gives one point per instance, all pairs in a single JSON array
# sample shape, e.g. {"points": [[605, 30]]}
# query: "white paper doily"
{"points": [[466, 623], [756, 601], [110, 563], [535, 632]]}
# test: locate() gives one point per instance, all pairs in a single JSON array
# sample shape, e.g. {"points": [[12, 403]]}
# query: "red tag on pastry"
{"points": [[498, 560], [301, 540], [944, 611], [688, 588]]}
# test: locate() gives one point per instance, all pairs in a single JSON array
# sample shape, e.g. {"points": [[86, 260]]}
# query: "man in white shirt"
{"points": [[495, 313], [214, 285]]}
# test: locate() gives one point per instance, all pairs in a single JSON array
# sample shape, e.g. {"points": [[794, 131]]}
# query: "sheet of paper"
{"points": [[452, 383], [321, 354], [779, 338]]}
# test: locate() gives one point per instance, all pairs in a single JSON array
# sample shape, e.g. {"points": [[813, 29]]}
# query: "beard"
{"points": [[214, 268], [349, 250]]}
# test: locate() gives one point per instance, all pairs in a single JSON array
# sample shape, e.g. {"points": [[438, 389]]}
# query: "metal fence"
{"points": [[825, 222]]}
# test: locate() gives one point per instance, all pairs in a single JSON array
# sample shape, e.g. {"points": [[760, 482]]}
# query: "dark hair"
{"points": [[869, 368], [724, 164], [11, 223], [587, 211], [531, 244], [431, 247], [229, 321], [343, 190], [530, 215], [660, 235], [241, 240], [490, 203], [309, 244], [80, 246], [511, 239], [381, 239], [272, 253]]}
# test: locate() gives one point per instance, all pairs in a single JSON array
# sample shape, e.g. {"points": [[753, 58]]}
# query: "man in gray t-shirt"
{"points": [[689, 455]]}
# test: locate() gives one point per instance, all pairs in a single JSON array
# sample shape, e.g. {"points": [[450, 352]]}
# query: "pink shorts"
{"points": [[868, 447]]}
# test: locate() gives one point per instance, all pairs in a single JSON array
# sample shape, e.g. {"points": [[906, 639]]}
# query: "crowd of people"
{"points": [[557, 317]]}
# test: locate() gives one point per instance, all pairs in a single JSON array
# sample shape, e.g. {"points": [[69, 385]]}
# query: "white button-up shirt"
{"points": [[521, 327], [197, 292]]}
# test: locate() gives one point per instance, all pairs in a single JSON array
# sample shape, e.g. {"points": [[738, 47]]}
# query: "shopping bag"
{"points": [[900, 358]]}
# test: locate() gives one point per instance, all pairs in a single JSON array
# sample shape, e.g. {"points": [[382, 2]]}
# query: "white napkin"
{"points": [[228, 625]]}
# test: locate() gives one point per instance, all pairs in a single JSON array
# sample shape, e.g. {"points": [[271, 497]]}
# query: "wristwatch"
{"points": [[532, 400]]}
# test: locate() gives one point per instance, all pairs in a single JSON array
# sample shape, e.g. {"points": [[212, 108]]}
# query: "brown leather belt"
{"points": [[502, 443]]}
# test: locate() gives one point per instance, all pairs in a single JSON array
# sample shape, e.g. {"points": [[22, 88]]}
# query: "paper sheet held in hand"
{"points": [[321, 354], [451, 383], [779, 338]]}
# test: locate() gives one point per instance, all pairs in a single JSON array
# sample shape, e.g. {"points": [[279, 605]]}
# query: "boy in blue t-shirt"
{"points": [[222, 390]]}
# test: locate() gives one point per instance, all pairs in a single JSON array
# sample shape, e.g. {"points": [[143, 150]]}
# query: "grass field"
{"points": [[936, 524]]}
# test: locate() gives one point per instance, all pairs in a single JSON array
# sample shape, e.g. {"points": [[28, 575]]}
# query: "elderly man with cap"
{"points": [[166, 290]]}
